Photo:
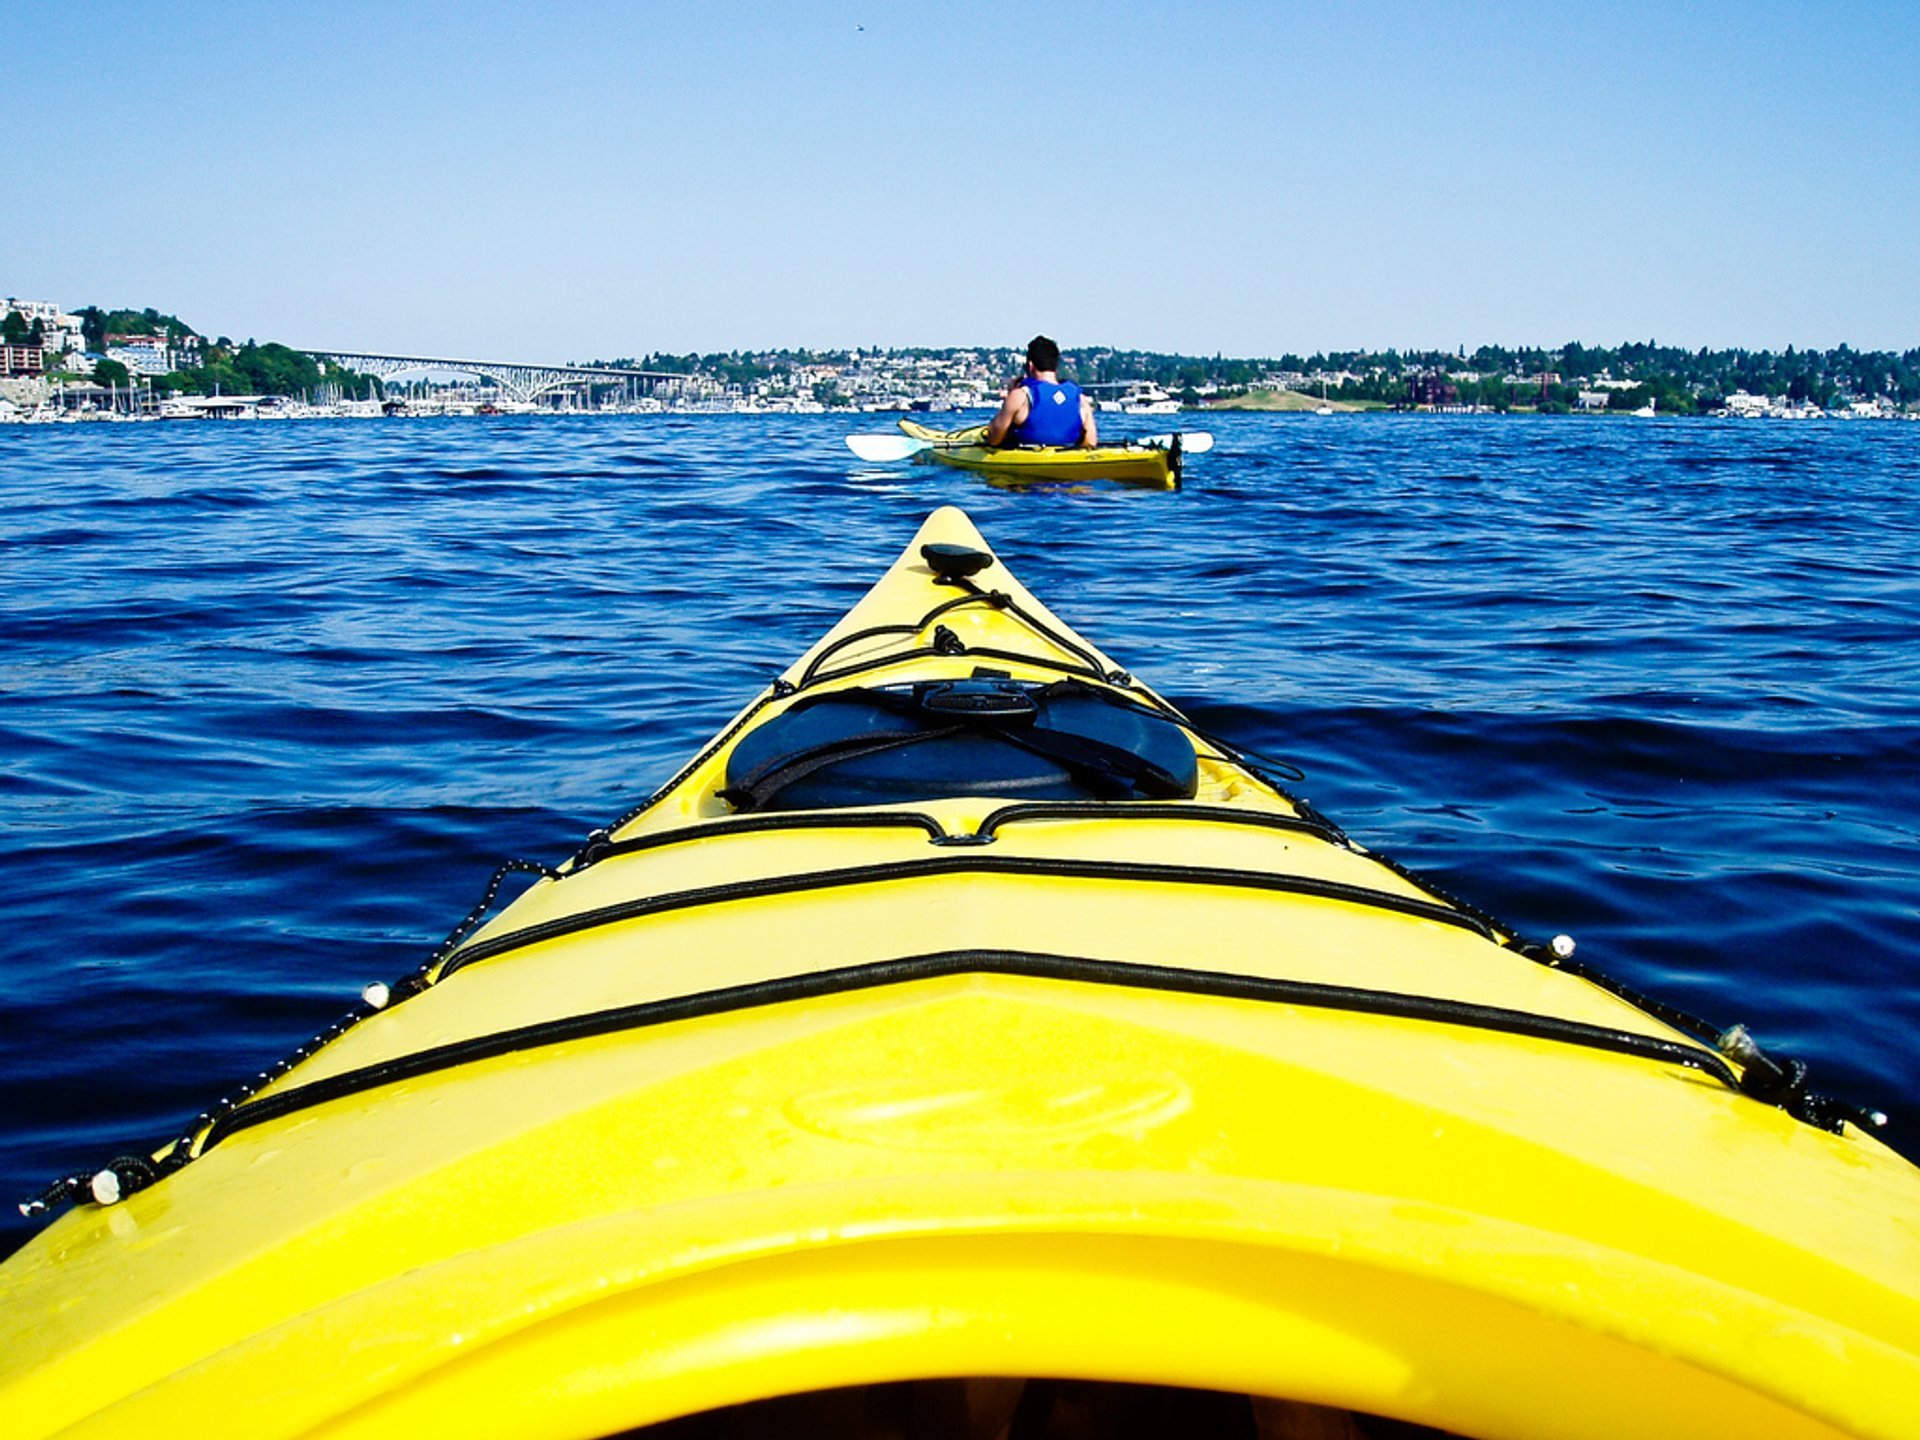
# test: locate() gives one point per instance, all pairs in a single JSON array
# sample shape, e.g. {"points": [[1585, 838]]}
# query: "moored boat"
{"points": [[960, 1036]]}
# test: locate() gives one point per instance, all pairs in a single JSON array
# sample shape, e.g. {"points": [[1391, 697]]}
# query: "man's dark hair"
{"points": [[1043, 354]]}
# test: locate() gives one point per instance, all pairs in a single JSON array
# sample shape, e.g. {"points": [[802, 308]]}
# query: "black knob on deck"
{"points": [[955, 562]]}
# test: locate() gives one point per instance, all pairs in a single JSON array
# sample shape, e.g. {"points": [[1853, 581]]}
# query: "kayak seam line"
{"points": [[713, 747], [941, 964], [837, 819], [1014, 865], [773, 820], [1154, 810], [880, 662]]}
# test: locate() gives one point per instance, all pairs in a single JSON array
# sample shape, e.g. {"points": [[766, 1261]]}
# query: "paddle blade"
{"points": [[1194, 442], [884, 447]]}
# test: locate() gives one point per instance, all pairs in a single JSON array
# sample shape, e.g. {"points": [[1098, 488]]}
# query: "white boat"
{"points": [[1148, 400]]}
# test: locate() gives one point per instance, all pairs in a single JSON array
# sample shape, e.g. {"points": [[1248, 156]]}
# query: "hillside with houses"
{"points": [[92, 362]]}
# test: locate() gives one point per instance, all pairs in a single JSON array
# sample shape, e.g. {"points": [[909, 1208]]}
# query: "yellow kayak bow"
{"points": [[962, 1035]]}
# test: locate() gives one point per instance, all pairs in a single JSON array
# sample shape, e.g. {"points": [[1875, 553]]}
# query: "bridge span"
{"points": [[520, 380]]}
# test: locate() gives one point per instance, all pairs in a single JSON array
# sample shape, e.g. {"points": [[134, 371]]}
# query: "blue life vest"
{"points": [[1054, 416]]}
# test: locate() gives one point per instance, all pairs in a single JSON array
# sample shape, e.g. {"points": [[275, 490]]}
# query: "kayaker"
{"points": [[1042, 409]]}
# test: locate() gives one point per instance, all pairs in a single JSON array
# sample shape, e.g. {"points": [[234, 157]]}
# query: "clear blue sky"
{"points": [[577, 180]]}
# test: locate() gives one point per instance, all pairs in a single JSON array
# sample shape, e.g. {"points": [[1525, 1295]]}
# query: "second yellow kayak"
{"points": [[1132, 462]]}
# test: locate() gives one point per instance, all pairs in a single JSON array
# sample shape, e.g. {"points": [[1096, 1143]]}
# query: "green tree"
{"points": [[14, 328], [96, 324], [109, 372]]}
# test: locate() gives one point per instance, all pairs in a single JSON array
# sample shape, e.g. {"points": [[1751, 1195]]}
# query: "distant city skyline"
{"points": [[1250, 179]]}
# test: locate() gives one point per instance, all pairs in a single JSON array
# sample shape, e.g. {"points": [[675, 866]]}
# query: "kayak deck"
{"points": [[768, 1095], [1134, 464]]}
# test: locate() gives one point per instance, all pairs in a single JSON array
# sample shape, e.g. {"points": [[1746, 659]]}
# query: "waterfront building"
{"points": [[1431, 388], [142, 354], [22, 360], [61, 332]]}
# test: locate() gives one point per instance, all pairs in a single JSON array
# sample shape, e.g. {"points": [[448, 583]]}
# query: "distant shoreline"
{"points": [[1288, 401], [148, 361]]}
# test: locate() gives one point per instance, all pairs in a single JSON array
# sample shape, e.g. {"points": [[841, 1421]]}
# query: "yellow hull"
{"points": [[1149, 466], [1186, 1091]]}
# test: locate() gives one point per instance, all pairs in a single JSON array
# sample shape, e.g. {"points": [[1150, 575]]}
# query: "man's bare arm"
{"points": [[1013, 409]]}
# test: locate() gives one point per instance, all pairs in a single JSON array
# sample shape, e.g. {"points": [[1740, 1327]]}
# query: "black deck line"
{"points": [[959, 862], [938, 964]]}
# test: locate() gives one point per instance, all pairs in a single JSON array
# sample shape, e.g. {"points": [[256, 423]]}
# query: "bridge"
{"points": [[521, 381]]}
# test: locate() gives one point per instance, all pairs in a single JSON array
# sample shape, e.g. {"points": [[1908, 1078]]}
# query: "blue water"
{"points": [[274, 699]]}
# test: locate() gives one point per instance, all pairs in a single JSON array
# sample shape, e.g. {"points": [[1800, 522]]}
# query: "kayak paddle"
{"points": [[886, 447]]}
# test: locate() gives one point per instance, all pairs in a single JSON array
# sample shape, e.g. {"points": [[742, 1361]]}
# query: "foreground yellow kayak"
{"points": [[1149, 464], [962, 1044]]}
